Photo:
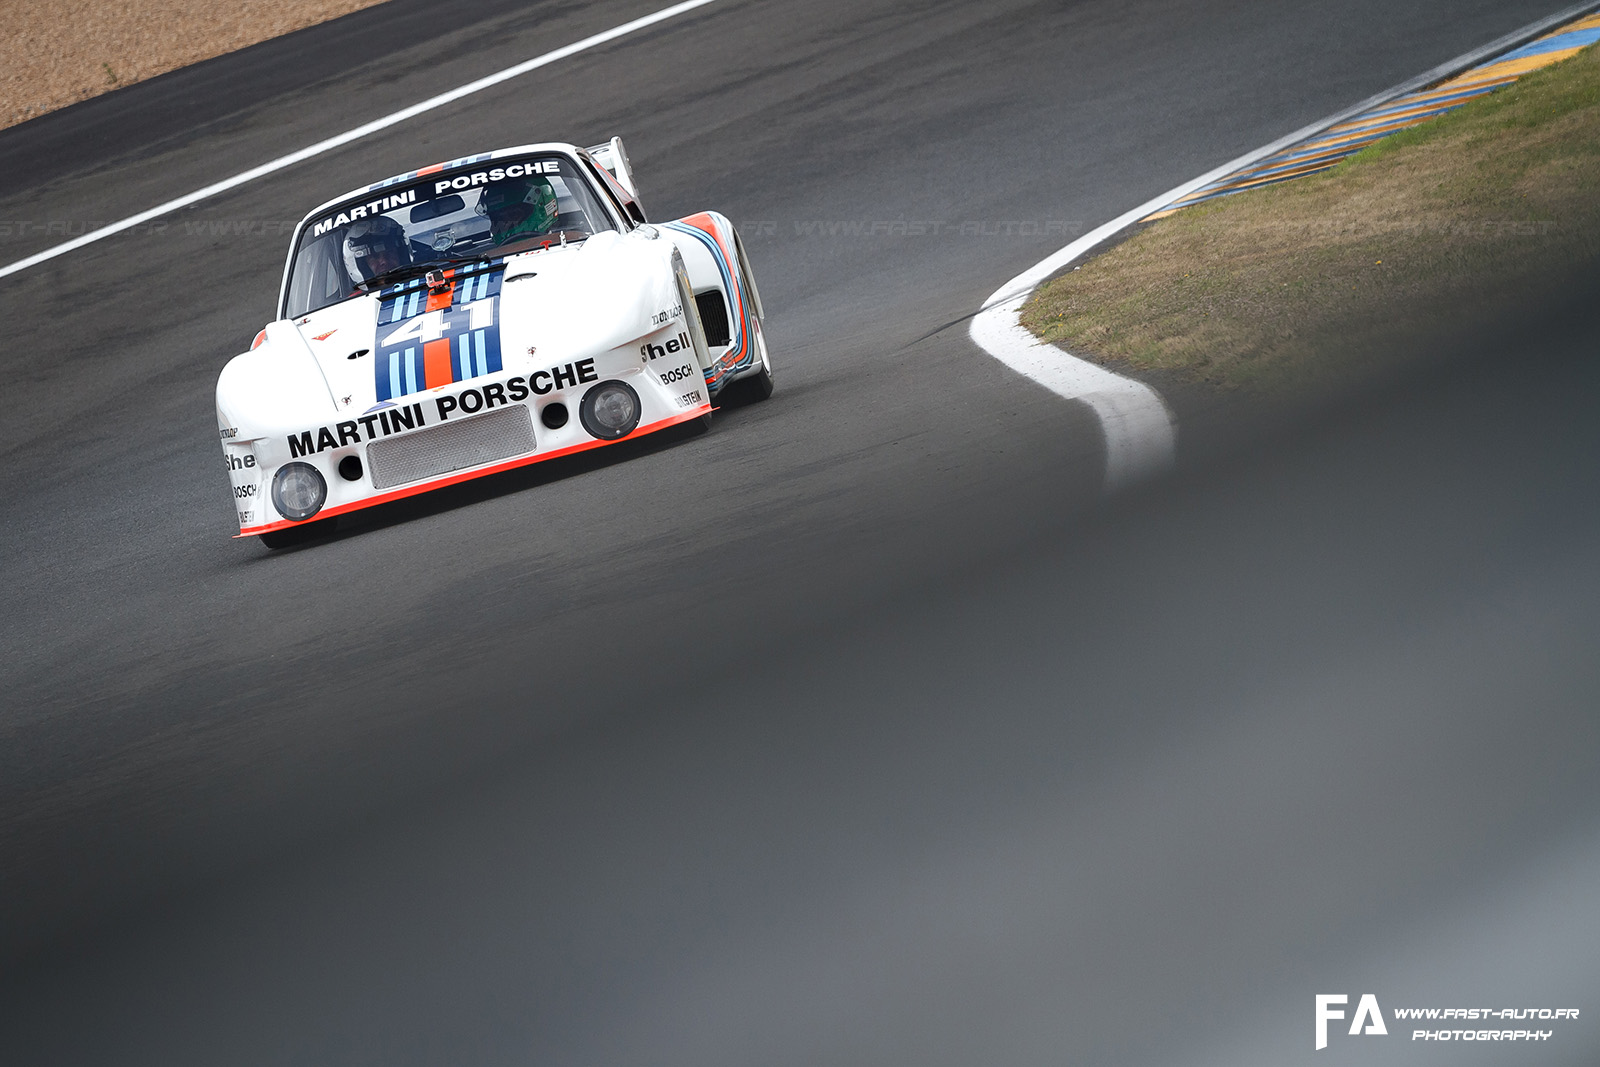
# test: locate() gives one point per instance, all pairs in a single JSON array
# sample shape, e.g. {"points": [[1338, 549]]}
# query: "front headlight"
{"points": [[298, 491], [610, 410]]}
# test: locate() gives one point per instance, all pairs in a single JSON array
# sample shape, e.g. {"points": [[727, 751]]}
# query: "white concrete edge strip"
{"points": [[356, 134], [1139, 429]]}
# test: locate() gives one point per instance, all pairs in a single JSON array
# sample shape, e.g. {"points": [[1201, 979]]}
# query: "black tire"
{"points": [[290, 536], [751, 390], [758, 386]]}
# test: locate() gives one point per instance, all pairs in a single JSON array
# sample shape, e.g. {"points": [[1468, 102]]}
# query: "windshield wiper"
{"points": [[411, 270], [400, 274]]}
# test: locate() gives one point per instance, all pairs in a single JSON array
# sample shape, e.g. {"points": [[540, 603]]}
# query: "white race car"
{"points": [[475, 316]]}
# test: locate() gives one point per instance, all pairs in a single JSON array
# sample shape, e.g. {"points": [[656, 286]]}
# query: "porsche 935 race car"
{"points": [[475, 316]]}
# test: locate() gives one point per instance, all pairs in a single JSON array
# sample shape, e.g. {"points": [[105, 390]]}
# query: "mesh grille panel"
{"points": [[451, 447], [713, 317]]}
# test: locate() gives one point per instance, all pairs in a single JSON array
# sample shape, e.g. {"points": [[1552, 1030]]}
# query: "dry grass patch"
{"points": [[1427, 233], [61, 51]]}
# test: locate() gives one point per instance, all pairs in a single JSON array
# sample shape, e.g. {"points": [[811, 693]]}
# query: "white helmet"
{"points": [[380, 237]]}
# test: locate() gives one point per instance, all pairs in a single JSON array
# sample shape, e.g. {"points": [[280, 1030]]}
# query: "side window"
{"points": [[318, 278]]}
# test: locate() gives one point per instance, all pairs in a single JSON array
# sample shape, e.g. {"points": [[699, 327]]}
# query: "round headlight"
{"points": [[610, 410], [298, 491]]}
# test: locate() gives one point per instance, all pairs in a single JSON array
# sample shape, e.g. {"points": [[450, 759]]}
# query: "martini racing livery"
{"points": [[475, 316]]}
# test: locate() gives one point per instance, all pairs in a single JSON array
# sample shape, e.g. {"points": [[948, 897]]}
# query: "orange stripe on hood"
{"points": [[436, 363]]}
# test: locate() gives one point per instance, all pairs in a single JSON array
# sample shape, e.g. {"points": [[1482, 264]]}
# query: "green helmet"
{"points": [[519, 207]]}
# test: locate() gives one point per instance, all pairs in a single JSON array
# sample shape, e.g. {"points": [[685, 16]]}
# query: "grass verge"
{"points": [[1429, 233]]}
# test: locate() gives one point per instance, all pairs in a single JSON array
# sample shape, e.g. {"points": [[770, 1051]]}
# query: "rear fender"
{"points": [[723, 291]]}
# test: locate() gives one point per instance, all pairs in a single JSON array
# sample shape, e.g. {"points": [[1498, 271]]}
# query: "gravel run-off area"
{"points": [[63, 51]]}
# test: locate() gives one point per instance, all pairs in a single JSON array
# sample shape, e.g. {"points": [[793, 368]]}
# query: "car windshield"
{"points": [[468, 213]]}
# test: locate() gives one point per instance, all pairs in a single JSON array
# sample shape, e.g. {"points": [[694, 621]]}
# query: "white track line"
{"points": [[1139, 430], [356, 134]]}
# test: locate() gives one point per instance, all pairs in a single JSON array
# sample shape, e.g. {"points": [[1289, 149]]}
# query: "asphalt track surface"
{"points": [[858, 730]]}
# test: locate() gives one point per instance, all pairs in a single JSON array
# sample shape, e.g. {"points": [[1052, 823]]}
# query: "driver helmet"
{"points": [[519, 206], [375, 245]]}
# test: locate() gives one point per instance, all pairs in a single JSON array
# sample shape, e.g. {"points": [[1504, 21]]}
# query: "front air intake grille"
{"points": [[713, 317], [452, 447]]}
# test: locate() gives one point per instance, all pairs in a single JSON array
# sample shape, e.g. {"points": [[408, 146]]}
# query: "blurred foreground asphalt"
{"points": [[1320, 717]]}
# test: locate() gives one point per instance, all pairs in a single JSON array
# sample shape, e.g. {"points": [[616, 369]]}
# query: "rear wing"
{"points": [[614, 158]]}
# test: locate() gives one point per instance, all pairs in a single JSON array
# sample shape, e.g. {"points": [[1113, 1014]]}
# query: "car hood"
{"points": [[514, 315]]}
